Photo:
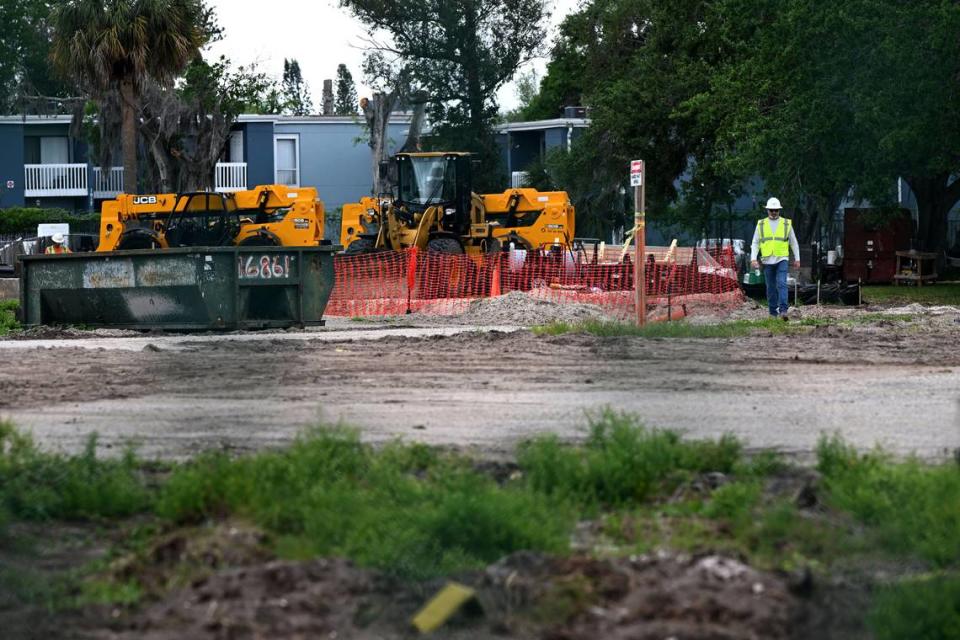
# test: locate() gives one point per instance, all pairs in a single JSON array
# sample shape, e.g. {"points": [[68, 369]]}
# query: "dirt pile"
{"points": [[515, 309], [646, 597], [524, 596]]}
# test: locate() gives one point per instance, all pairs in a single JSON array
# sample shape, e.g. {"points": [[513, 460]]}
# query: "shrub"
{"points": [[918, 609], [911, 507], [621, 463], [16, 220], [41, 486], [8, 316], [406, 509]]}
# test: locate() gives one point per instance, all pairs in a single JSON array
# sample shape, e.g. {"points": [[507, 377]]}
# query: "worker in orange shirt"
{"points": [[59, 245]]}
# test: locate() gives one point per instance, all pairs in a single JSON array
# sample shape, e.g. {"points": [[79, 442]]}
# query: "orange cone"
{"points": [[495, 285]]}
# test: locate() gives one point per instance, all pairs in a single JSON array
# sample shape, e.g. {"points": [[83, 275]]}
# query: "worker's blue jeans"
{"points": [[777, 296]]}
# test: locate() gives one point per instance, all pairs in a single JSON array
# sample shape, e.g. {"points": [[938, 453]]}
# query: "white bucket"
{"points": [[831, 257], [517, 258]]}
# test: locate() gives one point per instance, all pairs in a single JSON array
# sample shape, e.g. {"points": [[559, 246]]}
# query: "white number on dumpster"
{"points": [[264, 267]]}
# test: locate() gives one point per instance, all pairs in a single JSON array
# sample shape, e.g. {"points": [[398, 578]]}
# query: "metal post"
{"points": [[640, 264]]}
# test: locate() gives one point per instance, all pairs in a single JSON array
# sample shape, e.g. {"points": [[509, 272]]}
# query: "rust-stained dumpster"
{"points": [[192, 288]]}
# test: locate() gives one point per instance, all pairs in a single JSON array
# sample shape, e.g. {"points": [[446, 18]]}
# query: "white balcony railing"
{"points": [[53, 180], [107, 184], [230, 177], [68, 180]]}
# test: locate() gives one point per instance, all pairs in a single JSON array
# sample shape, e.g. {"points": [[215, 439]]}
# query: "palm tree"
{"points": [[110, 45]]}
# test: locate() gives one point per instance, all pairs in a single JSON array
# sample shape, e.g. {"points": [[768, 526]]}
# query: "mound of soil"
{"points": [[515, 308], [524, 596]]}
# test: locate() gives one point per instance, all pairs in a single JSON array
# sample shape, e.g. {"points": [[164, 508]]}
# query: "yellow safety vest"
{"points": [[774, 245]]}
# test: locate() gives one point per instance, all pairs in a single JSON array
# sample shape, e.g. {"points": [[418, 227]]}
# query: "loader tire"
{"points": [[359, 247], [445, 245], [139, 239], [456, 276], [263, 239]]}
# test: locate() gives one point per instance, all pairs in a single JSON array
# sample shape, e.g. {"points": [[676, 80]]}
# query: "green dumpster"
{"points": [[193, 288]]}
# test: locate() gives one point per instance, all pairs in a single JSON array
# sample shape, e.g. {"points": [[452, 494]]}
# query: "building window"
{"points": [[55, 150], [287, 160]]}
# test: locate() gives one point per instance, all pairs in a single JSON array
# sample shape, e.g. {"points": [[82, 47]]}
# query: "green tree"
{"points": [[567, 78], [906, 62], [460, 53], [186, 128], [99, 45], [345, 103], [527, 86], [774, 107], [635, 63], [295, 92], [25, 73]]}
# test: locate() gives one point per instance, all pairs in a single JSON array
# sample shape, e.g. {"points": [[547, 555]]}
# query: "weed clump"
{"points": [[909, 507], [406, 509], [621, 463], [43, 486], [8, 316], [924, 608]]}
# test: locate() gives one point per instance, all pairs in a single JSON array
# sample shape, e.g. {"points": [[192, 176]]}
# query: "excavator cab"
{"points": [[435, 180]]}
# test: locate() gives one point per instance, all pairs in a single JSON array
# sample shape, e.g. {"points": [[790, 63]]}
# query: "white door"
{"points": [[236, 146], [287, 159], [54, 150]]}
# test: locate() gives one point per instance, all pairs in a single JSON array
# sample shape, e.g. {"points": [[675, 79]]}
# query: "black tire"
{"points": [[359, 247], [260, 240], [459, 278], [138, 239], [449, 246]]}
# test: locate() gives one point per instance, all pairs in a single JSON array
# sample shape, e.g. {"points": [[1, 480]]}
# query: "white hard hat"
{"points": [[773, 203], [58, 238]]}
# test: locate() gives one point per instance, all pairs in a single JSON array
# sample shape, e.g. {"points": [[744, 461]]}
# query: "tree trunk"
{"points": [[376, 111], [129, 136], [419, 103], [162, 166]]}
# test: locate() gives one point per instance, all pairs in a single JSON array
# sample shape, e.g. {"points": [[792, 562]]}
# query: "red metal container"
{"points": [[869, 247]]}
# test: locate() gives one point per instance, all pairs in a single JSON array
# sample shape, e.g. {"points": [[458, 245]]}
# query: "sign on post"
{"points": [[640, 241], [636, 173]]}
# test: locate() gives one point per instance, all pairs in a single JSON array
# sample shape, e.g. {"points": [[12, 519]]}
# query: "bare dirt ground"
{"points": [[890, 382]]}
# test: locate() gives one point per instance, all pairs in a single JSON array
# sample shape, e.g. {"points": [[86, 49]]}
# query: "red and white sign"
{"points": [[10, 184], [636, 173]]}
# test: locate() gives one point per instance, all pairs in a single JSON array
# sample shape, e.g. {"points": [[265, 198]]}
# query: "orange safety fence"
{"points": [[394, 283]]}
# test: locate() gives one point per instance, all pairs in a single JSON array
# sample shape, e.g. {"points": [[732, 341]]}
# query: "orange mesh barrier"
{"points": [[395, 283]]}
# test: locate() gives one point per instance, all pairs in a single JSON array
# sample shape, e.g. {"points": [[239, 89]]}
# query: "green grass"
{"points": [[679, 329], [910, 508], [405, 510], [925, 609], [41, 486], [731, 329], [8, 317], [621, 463], [938, 294], [416, 512]]}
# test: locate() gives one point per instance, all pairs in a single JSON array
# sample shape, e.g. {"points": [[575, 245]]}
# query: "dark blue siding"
{"points": [[11, 165]]}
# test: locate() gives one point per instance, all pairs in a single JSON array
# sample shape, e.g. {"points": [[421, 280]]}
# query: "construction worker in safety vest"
{"points": [[59, 245], [774, 239]]}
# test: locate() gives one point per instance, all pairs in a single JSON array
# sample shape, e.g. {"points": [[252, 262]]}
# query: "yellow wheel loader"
{"points": [[436, 209], [270, 215]]}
